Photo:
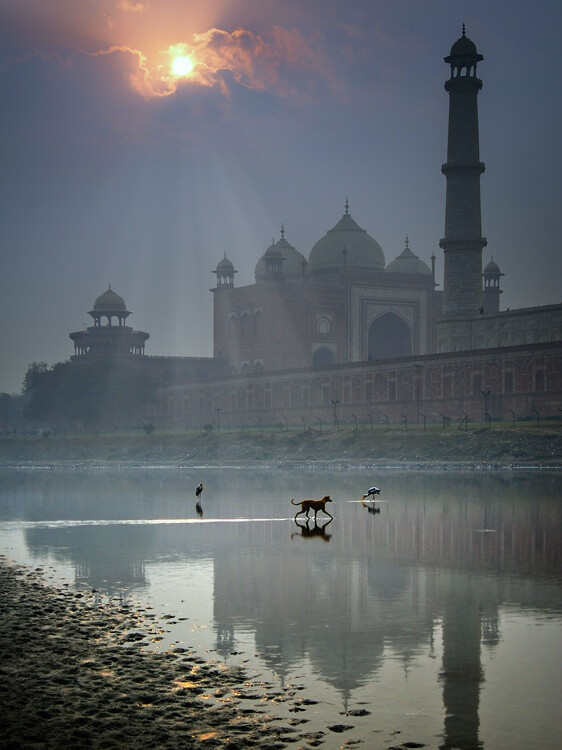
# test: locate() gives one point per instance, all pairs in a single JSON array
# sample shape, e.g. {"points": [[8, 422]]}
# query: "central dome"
{"points": [[346, 245]]}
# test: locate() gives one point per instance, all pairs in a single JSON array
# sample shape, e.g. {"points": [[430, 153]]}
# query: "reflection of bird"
{"points": [[371, 492], [199, 509], [199, 489], [371, 508]]}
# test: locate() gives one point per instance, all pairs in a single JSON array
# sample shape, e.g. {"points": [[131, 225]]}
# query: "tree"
{"points": [[96, 393]]}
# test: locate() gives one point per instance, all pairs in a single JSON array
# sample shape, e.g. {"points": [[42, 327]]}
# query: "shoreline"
{"points": [[74, 674], [498, 448]]}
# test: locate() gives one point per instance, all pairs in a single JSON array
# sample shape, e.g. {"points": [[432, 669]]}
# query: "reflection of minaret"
{"points": [[462, 670]]}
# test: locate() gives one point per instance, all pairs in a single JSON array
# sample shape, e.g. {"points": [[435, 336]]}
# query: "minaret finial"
{"points": [[225, 254], [282, 231], [346, 205], [407, 242], [463, 30]]}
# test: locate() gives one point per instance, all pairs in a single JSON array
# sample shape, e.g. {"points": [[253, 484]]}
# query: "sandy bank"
{"points": [[73, 674], [499, 447]]}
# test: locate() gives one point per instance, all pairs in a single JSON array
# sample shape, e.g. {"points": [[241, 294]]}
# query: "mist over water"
{"points": [[438, 614]]}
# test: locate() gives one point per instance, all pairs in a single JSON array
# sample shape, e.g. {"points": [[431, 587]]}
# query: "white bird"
{"points": [[371, 492]]}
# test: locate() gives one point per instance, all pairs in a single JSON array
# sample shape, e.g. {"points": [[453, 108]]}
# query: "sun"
{"points": [[182, 65]]}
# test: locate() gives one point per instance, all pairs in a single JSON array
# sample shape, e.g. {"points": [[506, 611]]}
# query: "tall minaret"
{"points": [[463, 241]]}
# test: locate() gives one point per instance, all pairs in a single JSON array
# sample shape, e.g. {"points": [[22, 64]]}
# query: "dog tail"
{"points": [[293, 502]]}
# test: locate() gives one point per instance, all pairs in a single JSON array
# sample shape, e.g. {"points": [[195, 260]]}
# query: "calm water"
{"points": [[440, 615]]}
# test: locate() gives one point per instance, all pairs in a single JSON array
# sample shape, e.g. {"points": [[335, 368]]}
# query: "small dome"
{"points": [[362, 252], [110, 301], [463, 48], [407, 262], [224, 266], [492, 269], [291, 259]]}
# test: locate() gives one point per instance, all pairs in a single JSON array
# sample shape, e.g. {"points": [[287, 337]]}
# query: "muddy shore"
{"points": [[74, 673]]}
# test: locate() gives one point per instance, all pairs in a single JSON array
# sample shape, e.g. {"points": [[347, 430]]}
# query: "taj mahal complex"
{"points": [[345, 336]]}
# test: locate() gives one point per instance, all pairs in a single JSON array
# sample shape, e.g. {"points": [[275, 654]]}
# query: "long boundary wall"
{"points": [[505, 383]]}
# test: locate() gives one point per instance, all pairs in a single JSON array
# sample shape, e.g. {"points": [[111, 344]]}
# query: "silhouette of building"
{"points": [[343, 329], [110, 337]]}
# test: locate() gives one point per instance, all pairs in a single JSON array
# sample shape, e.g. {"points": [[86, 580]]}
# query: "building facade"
{"points": [[343, 304]]}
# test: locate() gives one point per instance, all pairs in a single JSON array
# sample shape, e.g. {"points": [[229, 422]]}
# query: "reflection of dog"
{"points": [[314, 505], [315, 531]]}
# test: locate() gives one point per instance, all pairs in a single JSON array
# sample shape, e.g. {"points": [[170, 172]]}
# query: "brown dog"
{"points": [[314, 505]]}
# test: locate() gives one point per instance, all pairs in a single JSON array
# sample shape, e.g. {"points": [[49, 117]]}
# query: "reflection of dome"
{"points": [[109, 301], [291, 259], [407, 262], [362, 251]]}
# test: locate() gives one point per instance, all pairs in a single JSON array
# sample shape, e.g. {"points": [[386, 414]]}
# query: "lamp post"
{"points": [[486, 393], [218, 411], [419, 369], [335, 404], [355, 418], [303, 422], [285, 418], [387, 422], [320, 423], [371, 419]]}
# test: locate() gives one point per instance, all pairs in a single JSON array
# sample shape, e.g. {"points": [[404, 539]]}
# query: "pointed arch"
{"points": [[389, 336], [323, 357]]}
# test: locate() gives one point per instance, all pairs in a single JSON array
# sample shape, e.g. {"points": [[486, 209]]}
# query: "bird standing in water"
{"points": [[199, 489], [371, 492]]}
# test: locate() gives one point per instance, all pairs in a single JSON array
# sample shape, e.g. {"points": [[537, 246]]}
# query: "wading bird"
{"points": [[371, 492], [199, 489]]}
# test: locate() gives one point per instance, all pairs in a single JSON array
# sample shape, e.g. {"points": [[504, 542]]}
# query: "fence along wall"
{"points": [[507, 383]]}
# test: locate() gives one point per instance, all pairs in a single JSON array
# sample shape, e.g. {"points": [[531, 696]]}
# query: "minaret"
{"points": [[463, 241]]}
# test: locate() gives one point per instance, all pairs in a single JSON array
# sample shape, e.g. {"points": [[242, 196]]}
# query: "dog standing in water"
{"points": [[314, 505]]}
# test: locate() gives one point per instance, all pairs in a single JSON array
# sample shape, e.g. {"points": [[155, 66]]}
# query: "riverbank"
{"points": [[500, 446], [75, 673]]}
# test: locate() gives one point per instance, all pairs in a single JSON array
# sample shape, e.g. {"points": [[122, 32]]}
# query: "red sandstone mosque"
{"points": [[342, 328]]}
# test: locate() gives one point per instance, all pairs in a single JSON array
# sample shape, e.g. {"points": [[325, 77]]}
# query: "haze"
{"points": [[142, 140]]}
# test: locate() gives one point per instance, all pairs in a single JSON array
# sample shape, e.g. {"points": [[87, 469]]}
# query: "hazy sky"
{"points": [[119, 165]]}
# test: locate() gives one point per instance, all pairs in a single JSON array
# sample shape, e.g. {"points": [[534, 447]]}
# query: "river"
{"points": [[433, 616]]}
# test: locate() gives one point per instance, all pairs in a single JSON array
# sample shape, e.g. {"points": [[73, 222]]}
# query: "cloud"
{"points": [[131, 7], [283, 63]]}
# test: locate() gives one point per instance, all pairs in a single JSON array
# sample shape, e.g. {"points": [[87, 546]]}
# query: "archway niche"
{"points": [[323, 357], [389, 337]]}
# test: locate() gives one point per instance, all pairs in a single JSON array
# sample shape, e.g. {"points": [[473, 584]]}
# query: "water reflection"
{"points": [[441, 555]]}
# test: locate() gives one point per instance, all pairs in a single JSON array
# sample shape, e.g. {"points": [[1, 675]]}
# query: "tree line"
{"points": [[102, 392]]}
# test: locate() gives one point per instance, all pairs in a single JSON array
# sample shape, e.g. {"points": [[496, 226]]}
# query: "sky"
{"points": [[143, 139]]}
